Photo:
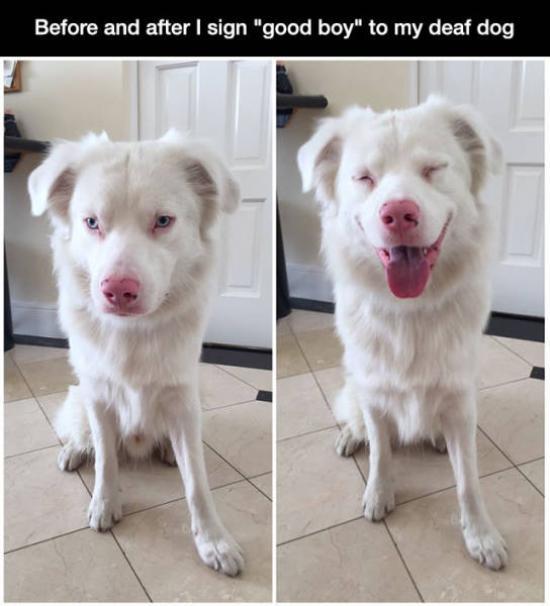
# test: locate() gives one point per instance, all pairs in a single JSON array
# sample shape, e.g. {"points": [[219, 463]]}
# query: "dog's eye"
{"points": [[163, 221], [429, 171], [365, 177], [92, 223]]}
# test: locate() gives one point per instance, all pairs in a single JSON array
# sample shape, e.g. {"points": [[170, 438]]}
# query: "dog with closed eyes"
{"points": [[135, 233], [407, 240]]}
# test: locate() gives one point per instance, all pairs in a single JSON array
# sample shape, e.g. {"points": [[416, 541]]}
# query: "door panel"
{"points": [[510, 95], [228, 103]]}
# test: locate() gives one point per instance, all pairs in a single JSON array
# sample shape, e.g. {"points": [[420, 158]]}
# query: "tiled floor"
{"points": [[328, 552], [52, 556]]}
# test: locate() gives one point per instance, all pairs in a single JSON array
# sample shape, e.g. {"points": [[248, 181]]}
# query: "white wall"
{"points": [[380, 84], [59, 99]]}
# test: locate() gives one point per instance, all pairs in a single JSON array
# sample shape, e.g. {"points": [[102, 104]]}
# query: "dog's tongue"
{"points": [[407, 272]]}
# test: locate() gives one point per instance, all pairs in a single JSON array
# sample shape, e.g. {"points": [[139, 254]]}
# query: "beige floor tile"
{"points": [[85, 566], [315, 487], [48, 376], [26, 428], [265, 484], [535, 472], [301, 320], [420, 470], [531, 351], [427, 532], [164, 556], [51, 404], [283, 327], [499, 365], [354, 562], [218, 388], [301, 407], [258, 378], [241, 434], [322, 348], [513, 416], [148, 483], [23, 354], [15, 387], [290, 360], [331, 381], [40, 501]]}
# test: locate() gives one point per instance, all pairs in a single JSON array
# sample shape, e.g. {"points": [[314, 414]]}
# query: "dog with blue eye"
{"points": [[135, 228]]}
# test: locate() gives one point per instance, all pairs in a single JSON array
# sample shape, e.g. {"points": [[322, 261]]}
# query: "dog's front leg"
{"points": [[482, 539], [215, 545], [379, 497], [105, 507]]}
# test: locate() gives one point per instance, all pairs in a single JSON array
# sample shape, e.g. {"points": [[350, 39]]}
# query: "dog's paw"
{"points": [[486, 546], [104, 513], [378, 501], [70, 457], [220, 551], [346, 442]]}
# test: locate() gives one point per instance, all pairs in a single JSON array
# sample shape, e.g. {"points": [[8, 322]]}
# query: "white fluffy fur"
{"points": [[410, 363], [138, 375]]}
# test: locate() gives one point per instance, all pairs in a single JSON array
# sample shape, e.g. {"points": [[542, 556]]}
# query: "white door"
{"points": [[229, 103], [510, 95]]}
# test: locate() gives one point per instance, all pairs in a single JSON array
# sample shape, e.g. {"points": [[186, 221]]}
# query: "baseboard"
{"points": [[309, 305], [514, 326], [309, 282], [35, 319], [212, 353]]}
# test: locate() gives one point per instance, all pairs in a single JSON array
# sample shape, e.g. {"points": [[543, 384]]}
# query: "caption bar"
{"points": [[270, 30]]}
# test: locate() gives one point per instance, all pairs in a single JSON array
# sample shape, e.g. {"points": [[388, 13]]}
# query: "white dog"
{"points": [[135, 229], [406, 240]]}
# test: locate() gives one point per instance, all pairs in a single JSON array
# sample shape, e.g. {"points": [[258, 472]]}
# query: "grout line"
{"points": [[503, 384], [496, 338], [58, 536], [19, 454], [312, 371], [308, 433], [130, 565], [530, 481], [239, 472], [310, 534], [242, 380], [451, 487], [480, 429], [403, 560], [259, 489], [224, 406]]}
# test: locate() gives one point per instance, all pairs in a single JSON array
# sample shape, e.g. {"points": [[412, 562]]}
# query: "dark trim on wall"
{"points": [[229, 355], [530, 328], [41, 341], [212, 353], [325, 307]]}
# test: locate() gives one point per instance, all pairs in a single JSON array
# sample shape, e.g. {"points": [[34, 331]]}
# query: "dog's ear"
{"points": [[319, 158], [51, 185], [206, 171], [483, 152]]}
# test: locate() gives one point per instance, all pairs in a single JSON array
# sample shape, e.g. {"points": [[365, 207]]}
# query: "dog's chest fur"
{"points": [[411, 365]]}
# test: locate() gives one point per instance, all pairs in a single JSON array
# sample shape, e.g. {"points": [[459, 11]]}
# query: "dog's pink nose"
{"points": [[400, 216], [120, 292]]}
